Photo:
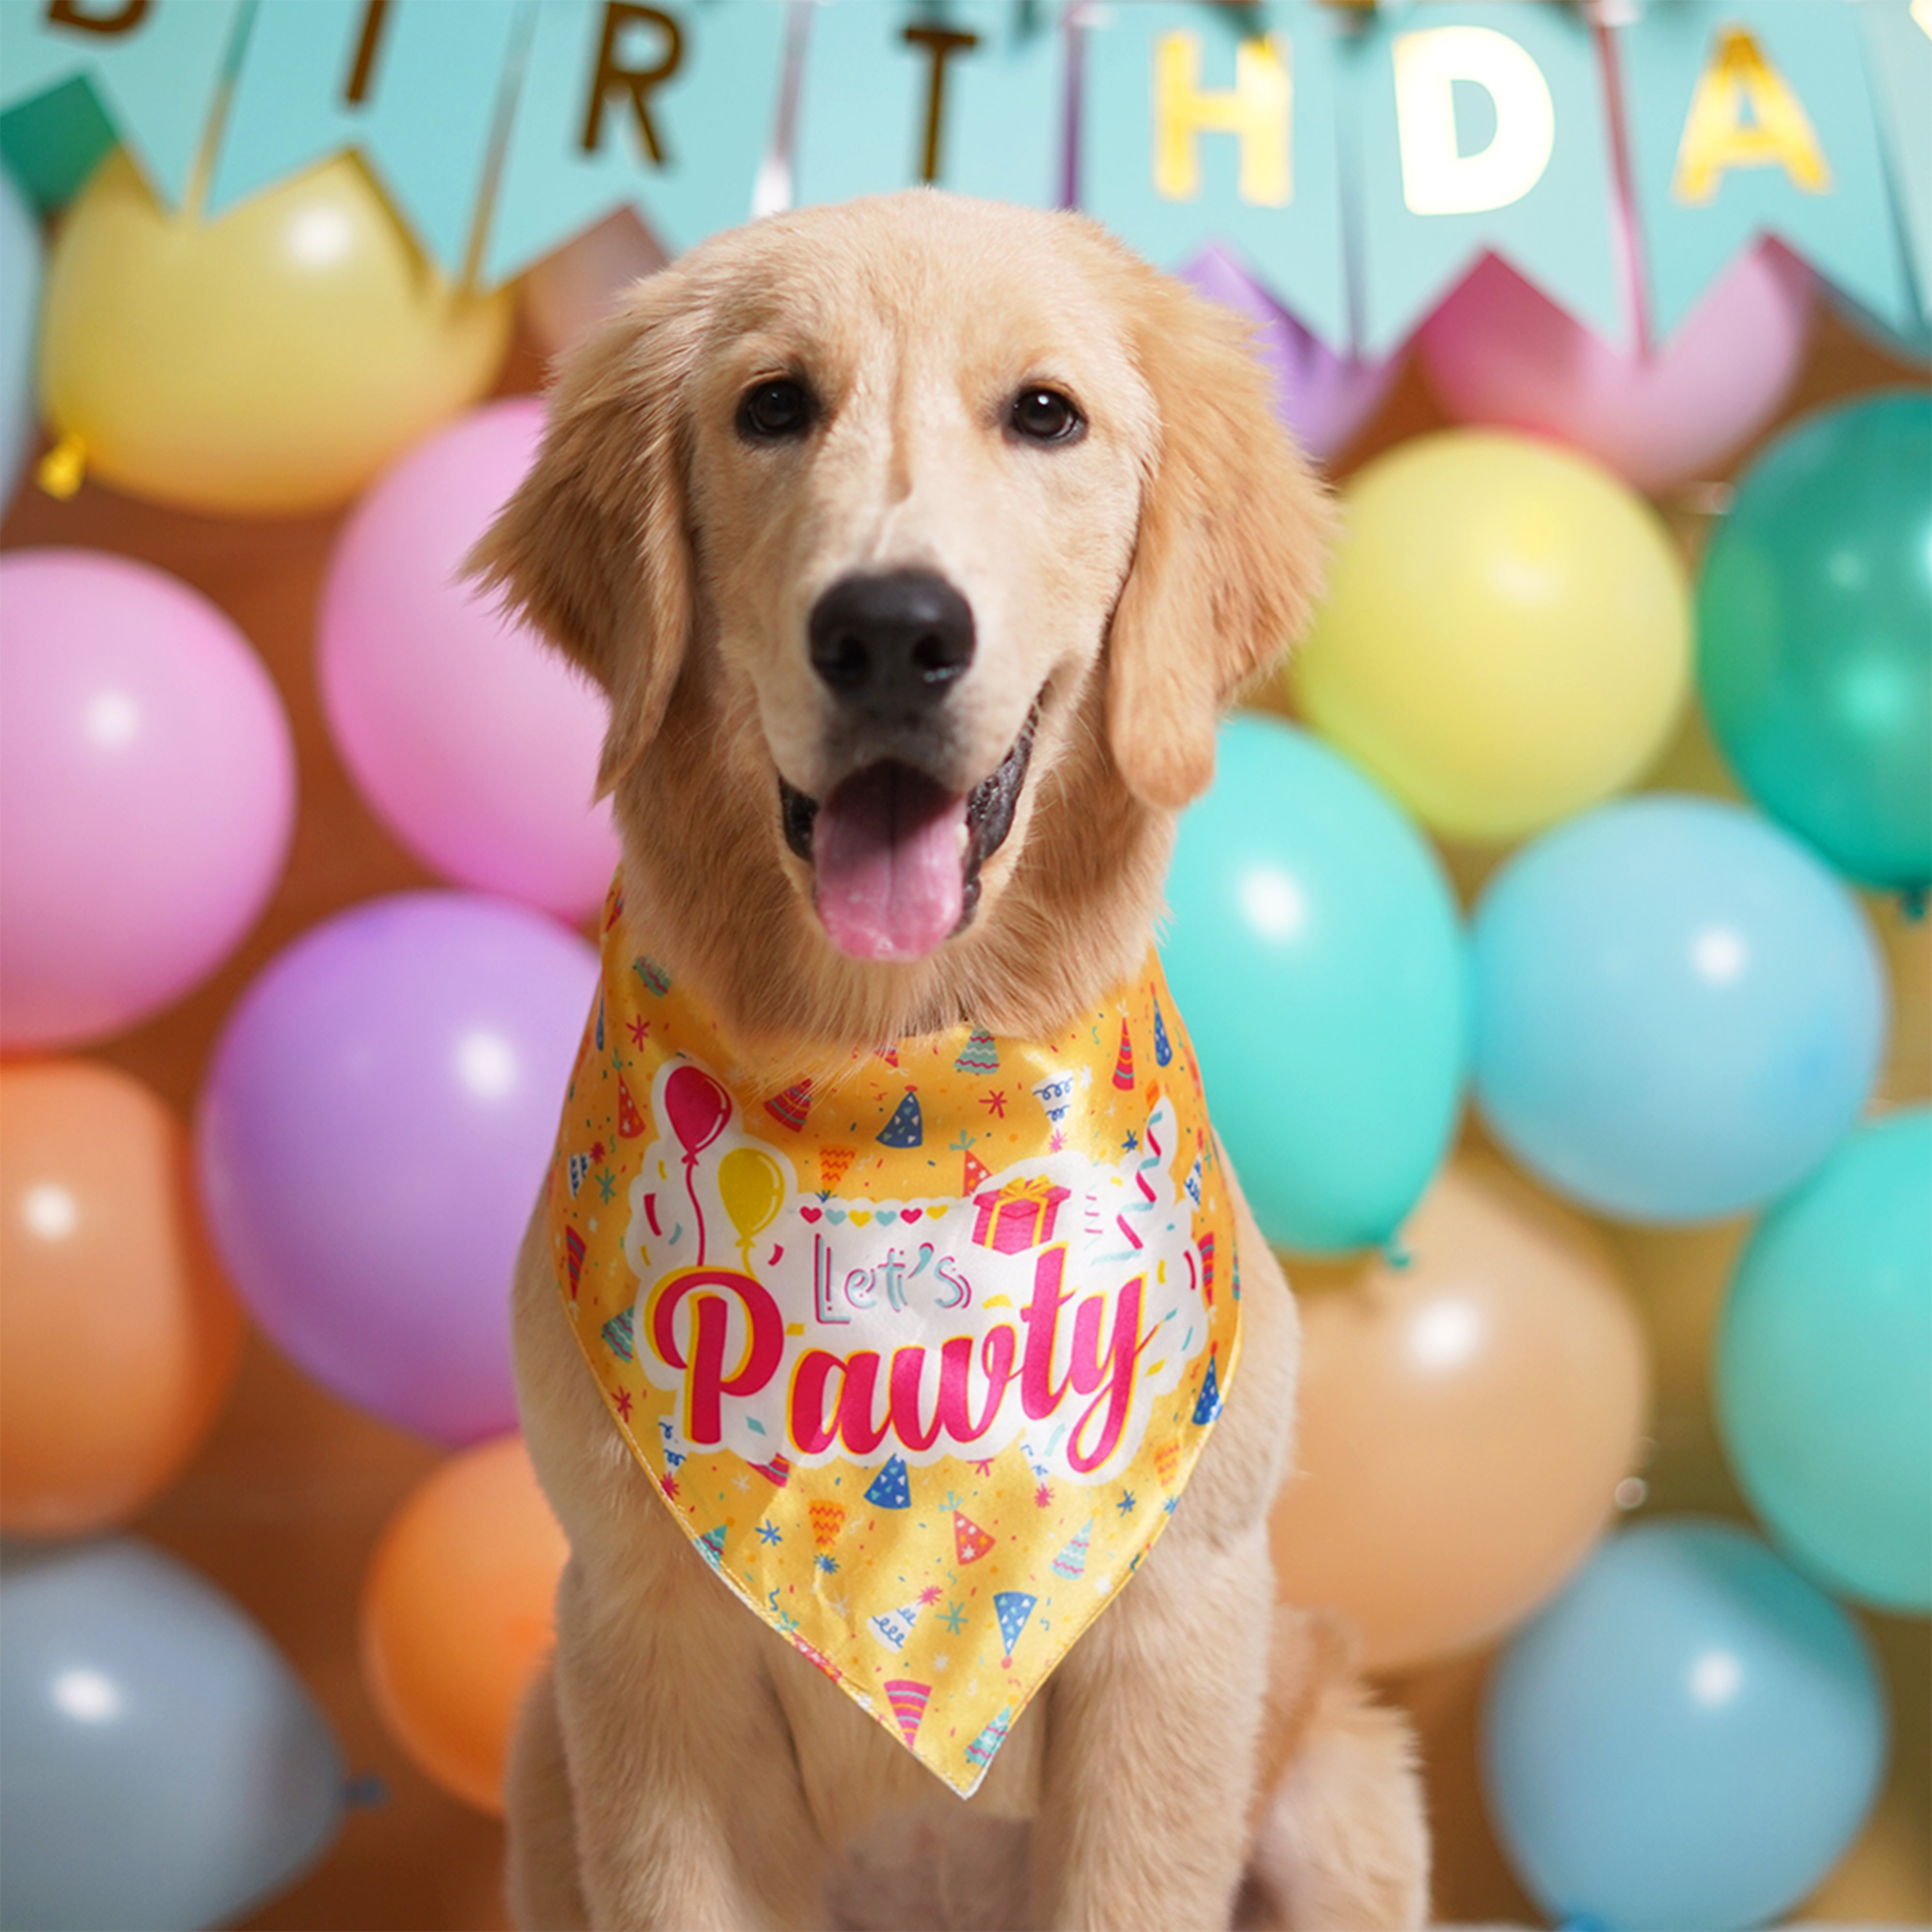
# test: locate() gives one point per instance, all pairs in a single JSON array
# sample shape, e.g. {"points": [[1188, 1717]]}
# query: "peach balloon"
{"points": [[1465, 1420], [118, 1336], [457, 1614]]}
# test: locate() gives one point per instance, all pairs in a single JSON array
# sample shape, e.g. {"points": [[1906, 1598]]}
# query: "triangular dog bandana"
{"points": [[918, 1347]]}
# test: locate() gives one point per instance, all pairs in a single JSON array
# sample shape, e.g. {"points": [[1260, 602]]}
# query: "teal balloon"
{"points": [[20, 318], [161, 1767], [1691, 1734], [1314, 952], [1814, 635], [1824, 1368], [1679, 1009]]}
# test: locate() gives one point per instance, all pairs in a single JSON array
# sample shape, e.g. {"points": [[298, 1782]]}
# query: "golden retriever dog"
{"points": [[1039, 491]]}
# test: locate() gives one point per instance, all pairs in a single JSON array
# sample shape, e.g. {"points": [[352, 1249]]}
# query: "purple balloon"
{"points": [[371, 1138], [1322, 399]]}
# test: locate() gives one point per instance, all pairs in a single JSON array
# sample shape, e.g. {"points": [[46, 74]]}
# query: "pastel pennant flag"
{"points": [[155, 70], [668, 109], [1201, 124], [1480, 128], [969, 95], [1752, 117], [416, 85], [1898, 50]]}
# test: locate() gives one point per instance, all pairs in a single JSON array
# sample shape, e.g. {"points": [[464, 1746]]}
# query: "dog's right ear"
{"points": [[592, 548]]}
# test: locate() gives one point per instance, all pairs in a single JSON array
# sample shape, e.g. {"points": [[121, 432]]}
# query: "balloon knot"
{"points": [[1912, 903], [62, 469], [1394, 1254], [367, 1791]]}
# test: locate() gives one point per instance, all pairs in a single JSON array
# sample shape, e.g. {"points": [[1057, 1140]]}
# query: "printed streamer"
{"points": [[918, 1347]]}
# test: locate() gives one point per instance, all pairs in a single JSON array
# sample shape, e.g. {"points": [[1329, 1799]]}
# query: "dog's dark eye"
{"points": [[1045, 416], [778, 408]]}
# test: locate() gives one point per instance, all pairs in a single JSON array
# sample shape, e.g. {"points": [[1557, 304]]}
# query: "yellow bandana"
{"points": [[920, 1355]]}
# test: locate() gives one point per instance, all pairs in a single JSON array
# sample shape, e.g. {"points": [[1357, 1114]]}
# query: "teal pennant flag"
{"points": [[1479, 129], [668, 109], [154, 69], [970, 95], [1754, 117], [415, 84], [1898, 57], [1217, 124]]}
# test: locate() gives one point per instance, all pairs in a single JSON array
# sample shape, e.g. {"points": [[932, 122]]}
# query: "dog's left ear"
{"points": [[1234, 531]]}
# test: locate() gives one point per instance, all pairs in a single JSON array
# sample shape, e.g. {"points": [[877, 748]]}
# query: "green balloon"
{"points": [[1824, 1367], [1814, 646], [1315, 953]]}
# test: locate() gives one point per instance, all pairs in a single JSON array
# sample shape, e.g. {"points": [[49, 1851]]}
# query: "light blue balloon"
{"points": [[1691, 1734], [1824, 1367], [19, 317], [161, 1767], [1316, 957], [1679, 1010]]}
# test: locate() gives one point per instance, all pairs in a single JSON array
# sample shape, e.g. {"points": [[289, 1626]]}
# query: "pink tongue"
{"points": [[887, 848]]}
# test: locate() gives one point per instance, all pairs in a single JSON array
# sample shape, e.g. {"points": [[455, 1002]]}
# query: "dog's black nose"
{"points": [[893, 643]]}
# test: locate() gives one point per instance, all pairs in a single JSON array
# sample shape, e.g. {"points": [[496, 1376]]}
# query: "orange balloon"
{"points": [[458, 1616], [118, 1336], [1465, 1420]]}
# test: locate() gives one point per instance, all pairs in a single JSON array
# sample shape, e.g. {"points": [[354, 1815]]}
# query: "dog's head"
{"points": [[908, 505]]}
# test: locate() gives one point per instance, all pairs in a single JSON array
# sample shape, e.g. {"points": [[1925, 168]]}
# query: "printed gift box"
{"points": [[1019, 1216]]}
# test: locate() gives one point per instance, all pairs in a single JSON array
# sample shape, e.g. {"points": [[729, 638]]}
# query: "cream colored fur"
{"points": [[1198, 1751]]}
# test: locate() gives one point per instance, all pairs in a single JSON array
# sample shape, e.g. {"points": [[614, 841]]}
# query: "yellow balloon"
{"points": [[268, 362], [1506, 637], [753, 1188]]}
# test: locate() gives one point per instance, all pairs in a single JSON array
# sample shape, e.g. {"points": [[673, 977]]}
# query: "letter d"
{"points": [[1436, 179]]}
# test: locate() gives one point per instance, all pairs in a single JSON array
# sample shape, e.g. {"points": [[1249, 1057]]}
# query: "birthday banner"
{"points": [[1358, 163]]}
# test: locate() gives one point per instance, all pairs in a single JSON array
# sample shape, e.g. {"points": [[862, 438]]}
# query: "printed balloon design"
{"points": [[698, 1109], [754, 1190]]}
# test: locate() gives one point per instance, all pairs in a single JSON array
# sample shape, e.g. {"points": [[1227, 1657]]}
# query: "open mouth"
{"points": [[896, 859]]}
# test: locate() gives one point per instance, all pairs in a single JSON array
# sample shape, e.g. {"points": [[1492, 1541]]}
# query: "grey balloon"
{"points": [[160, 1765]]}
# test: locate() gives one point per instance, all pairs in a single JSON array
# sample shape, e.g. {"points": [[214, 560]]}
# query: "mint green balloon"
{"points": [[1824, 1367], [1315, 954], [1814, 635]]}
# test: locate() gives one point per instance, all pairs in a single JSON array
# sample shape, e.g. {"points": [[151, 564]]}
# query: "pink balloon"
{"points": [[147, 794], [1499, 351], [474, 742], [698, 1108]]}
